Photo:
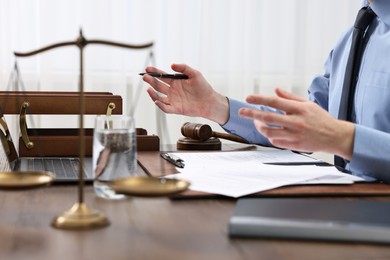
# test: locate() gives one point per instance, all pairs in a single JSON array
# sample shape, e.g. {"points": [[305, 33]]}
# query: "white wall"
{"points": [[242, 46]]}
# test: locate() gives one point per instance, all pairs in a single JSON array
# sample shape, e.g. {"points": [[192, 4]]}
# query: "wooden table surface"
{"points": [[146, 228]]}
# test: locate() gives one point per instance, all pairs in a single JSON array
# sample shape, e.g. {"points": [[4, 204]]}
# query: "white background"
{"points": [[241, 46]]}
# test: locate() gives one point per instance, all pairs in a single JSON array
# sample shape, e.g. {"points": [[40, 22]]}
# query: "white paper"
{"points": [[237, 174], [261, 156]]}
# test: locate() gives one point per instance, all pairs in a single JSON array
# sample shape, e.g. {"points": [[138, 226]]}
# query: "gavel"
{"points": [[203, 132]]}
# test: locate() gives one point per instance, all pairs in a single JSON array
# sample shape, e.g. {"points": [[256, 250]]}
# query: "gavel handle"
{"points": [[230, 137]]}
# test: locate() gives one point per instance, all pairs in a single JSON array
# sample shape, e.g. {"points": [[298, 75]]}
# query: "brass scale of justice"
{"points": [[80, 215]]}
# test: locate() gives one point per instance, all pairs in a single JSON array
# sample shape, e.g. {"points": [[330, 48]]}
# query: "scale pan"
{"points": [[148, 186], [24, 180]]}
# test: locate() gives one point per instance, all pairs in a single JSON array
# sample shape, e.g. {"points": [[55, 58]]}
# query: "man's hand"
{"points": [[304, 126], [191, 97]]}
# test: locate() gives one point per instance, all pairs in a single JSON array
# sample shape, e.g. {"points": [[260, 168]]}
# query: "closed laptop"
{"points": [[312, 219]]}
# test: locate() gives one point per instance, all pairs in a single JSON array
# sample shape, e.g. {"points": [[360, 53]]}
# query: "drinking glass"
{"points": [[114, 153]]}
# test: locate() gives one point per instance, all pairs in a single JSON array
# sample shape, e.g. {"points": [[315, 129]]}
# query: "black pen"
{"points": [[167, 76], [320, 163], [173, 159]]}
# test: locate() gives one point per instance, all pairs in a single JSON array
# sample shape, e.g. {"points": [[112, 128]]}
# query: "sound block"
{"points": [[192, 144]]}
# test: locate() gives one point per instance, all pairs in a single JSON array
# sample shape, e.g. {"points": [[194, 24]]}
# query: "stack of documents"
{"points": [[237, 174]]}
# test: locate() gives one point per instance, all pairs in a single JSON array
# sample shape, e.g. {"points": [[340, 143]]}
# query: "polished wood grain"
{"points": [[146, 228], [150, 228]]}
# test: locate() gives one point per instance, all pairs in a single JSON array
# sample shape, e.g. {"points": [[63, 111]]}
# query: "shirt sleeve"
{"points": [[244, 127], [371, 153], [371, 150], [319, 89]]}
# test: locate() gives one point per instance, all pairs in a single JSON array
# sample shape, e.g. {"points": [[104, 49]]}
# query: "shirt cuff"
{"points": [[370, 153], [241, 126]]}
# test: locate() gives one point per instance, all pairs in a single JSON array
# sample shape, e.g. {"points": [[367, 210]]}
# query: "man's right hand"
{"points": [[191, 97]]}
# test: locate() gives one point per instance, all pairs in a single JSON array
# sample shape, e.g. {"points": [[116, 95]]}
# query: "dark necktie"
{"points": [[359, 38]]}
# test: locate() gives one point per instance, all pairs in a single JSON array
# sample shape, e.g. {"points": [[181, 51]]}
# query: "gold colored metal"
{"points": [[4, 125], [24, 180], [5, 136], [5, 144], [80, 216], [110, 107], [148, 186], [23, 125], [15, 180]]}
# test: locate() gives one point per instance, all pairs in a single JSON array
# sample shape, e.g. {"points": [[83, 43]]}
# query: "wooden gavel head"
{"points": [[202, 137], [197, 131], [204, 132]]}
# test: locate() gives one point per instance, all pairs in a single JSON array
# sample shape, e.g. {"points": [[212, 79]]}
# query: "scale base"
{"points": [[80, 216], [193, 144]]}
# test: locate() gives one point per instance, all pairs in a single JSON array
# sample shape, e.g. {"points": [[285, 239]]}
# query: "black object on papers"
{"points": [[167, 76], [312, 219], [173, 159]]}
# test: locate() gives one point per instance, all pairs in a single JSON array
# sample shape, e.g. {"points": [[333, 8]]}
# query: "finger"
{"points": [[289, 106], [273, 133], [152, 94], [289, 144], [259, 124], [157, 84], [263, 128], [269, 118], [161, 102], [154, 69], [185, 69], [150, 69], [288, 95], [155, 96], [280, 137], [164, 107]]}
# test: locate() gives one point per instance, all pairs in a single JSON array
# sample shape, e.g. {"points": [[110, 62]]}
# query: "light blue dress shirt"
{"points": [[371, 151]]}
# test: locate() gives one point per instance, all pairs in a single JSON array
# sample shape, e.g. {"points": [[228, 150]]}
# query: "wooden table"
{"points": [[152, 228], [146, 228]]}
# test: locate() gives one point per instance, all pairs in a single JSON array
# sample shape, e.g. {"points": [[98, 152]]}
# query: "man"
{"points": [[290, 122]]}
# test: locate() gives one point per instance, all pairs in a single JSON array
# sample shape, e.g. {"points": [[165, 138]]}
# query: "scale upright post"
{"points": [[81, 216]]}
